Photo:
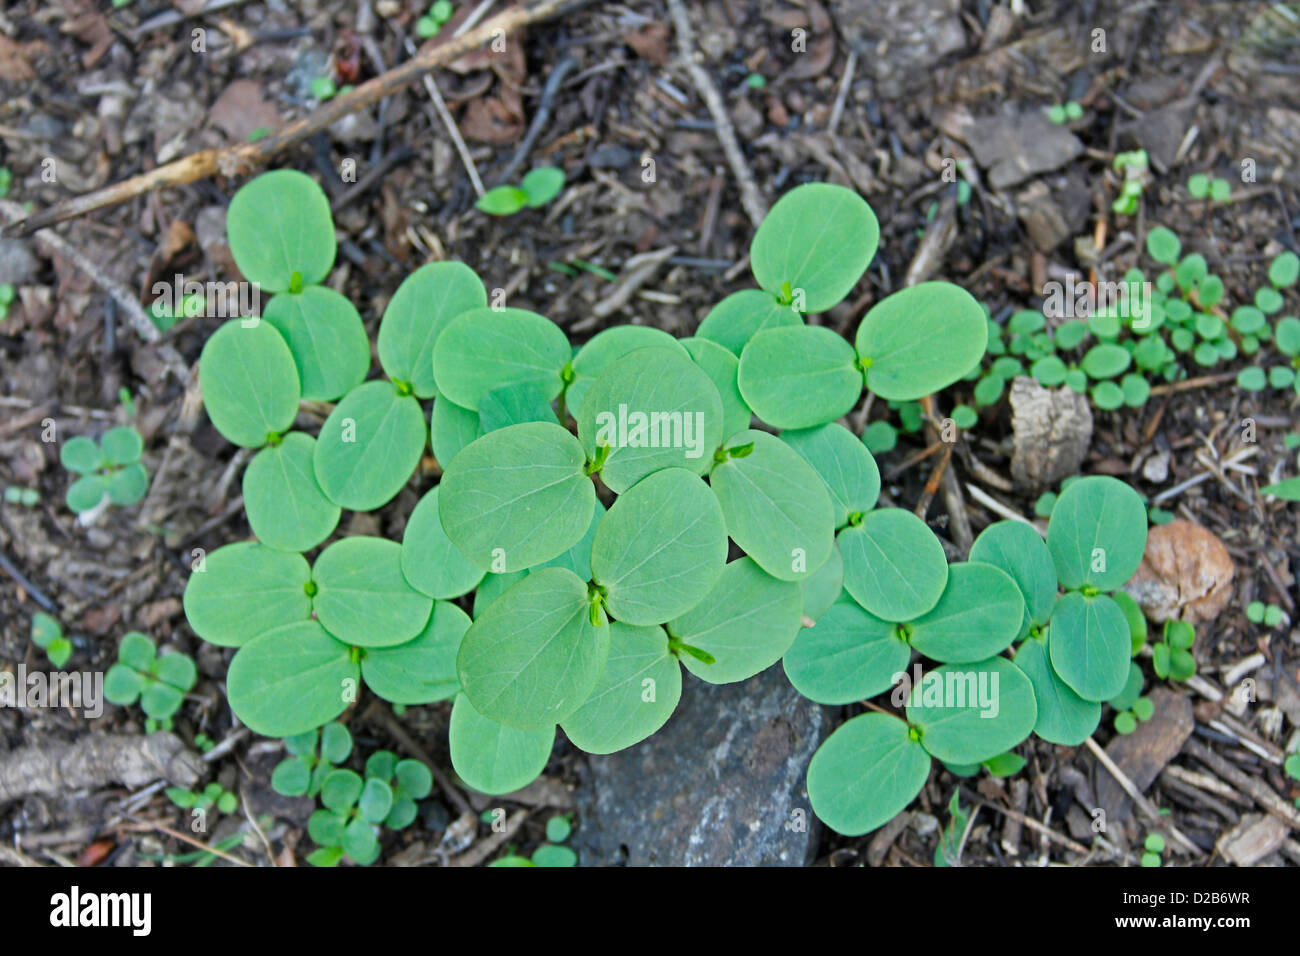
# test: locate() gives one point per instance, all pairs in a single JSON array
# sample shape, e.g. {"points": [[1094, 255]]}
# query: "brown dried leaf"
{"points": [[491, 121], [1185, 573], [651, 43], [16, 59]]}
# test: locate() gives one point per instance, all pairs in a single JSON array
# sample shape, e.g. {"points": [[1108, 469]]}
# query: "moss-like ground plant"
{"points": [[585, 506], [158, 681]]}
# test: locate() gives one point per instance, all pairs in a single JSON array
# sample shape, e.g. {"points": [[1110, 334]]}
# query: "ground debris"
{"points": [[98, 759]]}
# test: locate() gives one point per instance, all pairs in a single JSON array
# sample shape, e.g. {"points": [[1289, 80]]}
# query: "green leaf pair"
{"points": [[538, 187], [109, 469], [47, 634], [158, 682], [312, 756]]}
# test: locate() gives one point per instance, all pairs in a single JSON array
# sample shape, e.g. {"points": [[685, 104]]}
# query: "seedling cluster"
{"points": [[1200, 186], [1062, 113], [158, 681], [27, 497], [110, 469], [213, 795], [586, 501], [538, 187], [354, 808]]}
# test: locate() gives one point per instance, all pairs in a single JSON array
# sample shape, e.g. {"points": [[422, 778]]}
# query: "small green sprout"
{"points": [[432, 22], [213, 795], [312, 756], [1270, 615], [47, 634], [322, 88], [110, 469], [538, 187], [203, 743], [548, 854], [1200, 186], [6, 180], [7, 294], [354, 808], [1172, 658], [948, 850], [27, 497], [1062, 113], [1153, 846], [1134, 167], [158, 681], [756, 81]]}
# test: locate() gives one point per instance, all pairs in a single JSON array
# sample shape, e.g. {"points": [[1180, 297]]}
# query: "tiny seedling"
{"points": [[1270, 615], [948, 850], [47, 634], [158, 681], [203, 743], [536, 189], [110, 469], [1153, 847], [550, 853], [354, 808], [1172, 658], [6, 298], [1133, 165], [27, 497], [432, 22], [6, 180], [312, 757], [1200, 186], [1061, 113], [213, 795]]}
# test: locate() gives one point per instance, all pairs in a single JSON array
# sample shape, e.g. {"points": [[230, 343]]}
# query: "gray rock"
{"points": [[17, 263], [900, 41], [721, 784], [1052, 428], [1014, 146]]}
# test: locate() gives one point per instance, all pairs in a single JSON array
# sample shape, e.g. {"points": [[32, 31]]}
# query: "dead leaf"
{"points": [[651, 43], [90, 28], [491, 121], [821, 48], [95, 853], [241, 109], [16, 59], [1186, 573]]}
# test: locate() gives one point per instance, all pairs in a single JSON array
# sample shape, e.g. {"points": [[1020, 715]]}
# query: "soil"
{"points": [[98, 94]]}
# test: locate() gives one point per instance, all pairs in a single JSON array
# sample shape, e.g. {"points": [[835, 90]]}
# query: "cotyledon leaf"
{"points": [[279, 224], [362, 596], [776, 507], [967, 713], [1097, 533], [242, 590], [844, 464], [1018, 549], [283, 501], [660, 548], [484, 349], [1064, 717], [326, 338], [514, 405], [978, 615], [722, 368], [428, 299], [249, 383], [451, 429], [430, 562], [823, 587], [866, 773], [369, 446], [894, 566], [746, 622], [850, 655], [738, 317], [635, 695], [799, 377], [607, 347], [492, 758], [422, 670], [517, 497], [533, 656], [1089, 644], [291, 679]]}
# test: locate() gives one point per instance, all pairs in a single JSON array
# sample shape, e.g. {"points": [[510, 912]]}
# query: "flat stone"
{"points": [[18, 264], [1144, 753], [1013, 146], [1052, 428], [721, 784]]}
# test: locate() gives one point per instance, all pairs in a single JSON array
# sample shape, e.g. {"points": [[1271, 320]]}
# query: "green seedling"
{"points": [[7, 294], [549, 853], [1172, 658], [953, 834], [213, 795], [756, 81], [6, 181], [431, 23], [536, 189], [1257, 612], [203, 743], [312, 757], [1062, 113], [47, 634], [27, 497], [1291, 765], [110, 469], [322, 88], [1075, 649], [1153, 846], [1200, 186], [1134, 167], [158, 681], [354, 808]]}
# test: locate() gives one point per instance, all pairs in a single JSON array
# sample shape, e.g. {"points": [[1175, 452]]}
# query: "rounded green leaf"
{"points": [[516, 497], [823, 586], [362, 597], [1064, 717], [607, 347], [746, 623], [414, 780], [1106, 361], [375, 801], [740, 316], [121, 445], [1284, 269], [291, 679], [553, 856], [160, 701], [136, 650], [291, 777], [850, 655], [492, 587], [452, 429], [921, 339], [423, 670], [541, 185], [122, 685], [722, 368], [485, 349], [326, 338], [817, 240], [341, 789], [655, 409], [127, 485], [279, 224], [978, 615], [1090, 645], [86, 492], [533, 656], [176, 670], [81, 454], [242, 590], [249, 383], [894, 566], [866, 773], [578, 558], [285, 506], [419, 310], [1018, 549], [335, 743], [660, 548], [1097, 533], [514, 405], [492, 758], [799, 377], [431, 563], [776, 506], [1163, 246], [844, 464], [369, 446], [635, 695], [967, 713], [502, 201]]}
